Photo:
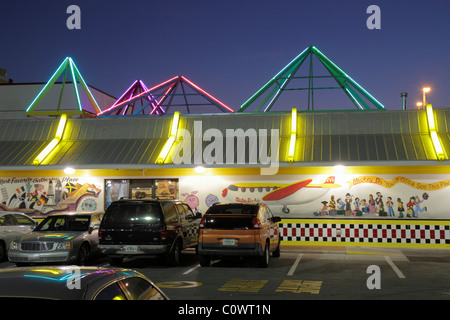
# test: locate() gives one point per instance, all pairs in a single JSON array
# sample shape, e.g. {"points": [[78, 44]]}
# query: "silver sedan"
{"points": [[13, 225], [69, 237]]}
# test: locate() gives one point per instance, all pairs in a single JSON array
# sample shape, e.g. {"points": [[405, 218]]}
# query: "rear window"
{"points": [[229, 223], [234, 209], [127, 214]]}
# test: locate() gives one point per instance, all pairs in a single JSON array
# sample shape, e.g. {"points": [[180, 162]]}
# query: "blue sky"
{"points": [[231, 48]]}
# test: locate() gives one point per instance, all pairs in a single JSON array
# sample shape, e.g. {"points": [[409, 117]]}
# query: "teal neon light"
{"points": [[272, 90], [76, 77]]}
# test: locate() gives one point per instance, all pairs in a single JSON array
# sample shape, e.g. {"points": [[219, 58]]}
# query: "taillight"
{"points": [[256, 223], [100, 237], [163, 232], [202, 223]]}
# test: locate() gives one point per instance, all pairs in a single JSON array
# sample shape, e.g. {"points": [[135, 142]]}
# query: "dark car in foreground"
{"points": [[77, 283], [69, 237]]}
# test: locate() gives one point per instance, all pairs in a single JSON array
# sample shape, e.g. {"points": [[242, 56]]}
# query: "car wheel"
{"points": [[204, 261], [2, 251], [277, 251], [174, 256], [83, 255], [264, 259]]}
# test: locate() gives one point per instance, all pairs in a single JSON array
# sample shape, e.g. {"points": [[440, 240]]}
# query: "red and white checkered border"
{"points": [[367, 233]]}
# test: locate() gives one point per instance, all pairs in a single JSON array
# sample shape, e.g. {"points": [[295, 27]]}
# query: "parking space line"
{"points": [[191, 269], [394, 267], [294, 266]]}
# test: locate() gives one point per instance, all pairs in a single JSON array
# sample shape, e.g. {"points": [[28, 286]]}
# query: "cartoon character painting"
{"points": [[192, 200]]}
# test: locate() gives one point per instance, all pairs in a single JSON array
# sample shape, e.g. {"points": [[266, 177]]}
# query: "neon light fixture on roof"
{"points": [[141, 95], [52, 144], [433, 134], [76, 77], [165, 92], [173, 135], [206, 93], [293, 136]]}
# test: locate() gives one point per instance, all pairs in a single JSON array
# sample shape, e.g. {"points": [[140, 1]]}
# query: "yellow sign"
{"points": [[411, 183]]}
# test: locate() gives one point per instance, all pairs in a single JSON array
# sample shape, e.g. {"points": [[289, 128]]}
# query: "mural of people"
{"points": [[410, 207], [400, 208], [417, 208], [390, 206]]}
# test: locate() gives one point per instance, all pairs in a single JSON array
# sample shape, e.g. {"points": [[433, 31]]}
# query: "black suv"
{"points": [[147, 228]]}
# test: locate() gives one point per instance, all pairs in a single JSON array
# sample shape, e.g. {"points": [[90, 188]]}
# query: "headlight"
{"points": [[15, 245], [67, 245]]}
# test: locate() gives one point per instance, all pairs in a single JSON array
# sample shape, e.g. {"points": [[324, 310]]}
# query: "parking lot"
{"points": [[305, 273]]}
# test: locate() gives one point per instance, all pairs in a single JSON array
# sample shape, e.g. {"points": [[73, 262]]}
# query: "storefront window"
{"points": [[140, 189], [166, 189]]}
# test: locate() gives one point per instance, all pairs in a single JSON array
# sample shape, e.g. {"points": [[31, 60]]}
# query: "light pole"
{"points": [[425, 91]]}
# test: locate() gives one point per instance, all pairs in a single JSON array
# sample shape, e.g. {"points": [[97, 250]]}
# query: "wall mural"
{"points": [[365, 196], [42, 196], [289, 196]]}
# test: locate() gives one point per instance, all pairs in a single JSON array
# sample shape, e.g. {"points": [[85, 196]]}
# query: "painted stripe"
{"points": [[191, 269], [294, 266], [394, 267]]}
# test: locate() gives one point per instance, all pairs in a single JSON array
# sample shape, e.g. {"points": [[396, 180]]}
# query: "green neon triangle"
{"points": [[70, 70], [274, 88]]}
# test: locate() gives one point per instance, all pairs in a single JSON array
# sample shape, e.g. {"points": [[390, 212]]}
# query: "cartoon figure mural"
{"points": [[211, 199], [192, 200]]}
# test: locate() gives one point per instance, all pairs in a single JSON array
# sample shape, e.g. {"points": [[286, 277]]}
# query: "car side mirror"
{"points": [[94, 227]]}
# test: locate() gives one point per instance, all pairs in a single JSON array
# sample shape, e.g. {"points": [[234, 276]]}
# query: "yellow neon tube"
{"points": [[434, 137], [169, 143], [59, 132], [292, 140]]}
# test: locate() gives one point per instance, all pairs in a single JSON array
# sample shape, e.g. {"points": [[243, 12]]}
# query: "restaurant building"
{"points": [[362, 177]]}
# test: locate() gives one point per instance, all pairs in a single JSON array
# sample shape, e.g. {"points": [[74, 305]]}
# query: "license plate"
{"points": [[131, 248], [229, 242]]}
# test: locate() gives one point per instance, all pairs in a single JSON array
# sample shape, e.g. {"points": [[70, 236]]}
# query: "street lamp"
{"points": [[425, 91], [419, 105]]}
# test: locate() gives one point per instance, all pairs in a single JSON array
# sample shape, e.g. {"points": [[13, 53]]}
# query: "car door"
{"points": [[92, 233], [24, 224], [9, 229], [187, 224]]}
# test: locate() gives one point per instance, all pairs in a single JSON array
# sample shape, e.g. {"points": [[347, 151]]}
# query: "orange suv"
{"points": [[238, 229]]}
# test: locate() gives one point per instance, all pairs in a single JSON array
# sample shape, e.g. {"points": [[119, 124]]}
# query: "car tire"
{"points": [[264, 259], [83, 255], [204, 260], [277, 251], [173, 258]]}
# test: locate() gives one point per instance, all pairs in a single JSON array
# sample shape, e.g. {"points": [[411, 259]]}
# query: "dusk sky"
{"points": [[231, 48]]}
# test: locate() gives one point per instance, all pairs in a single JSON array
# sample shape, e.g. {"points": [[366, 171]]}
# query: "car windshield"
{"points": [[65, 223], [234, 209], [126, 214]]}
